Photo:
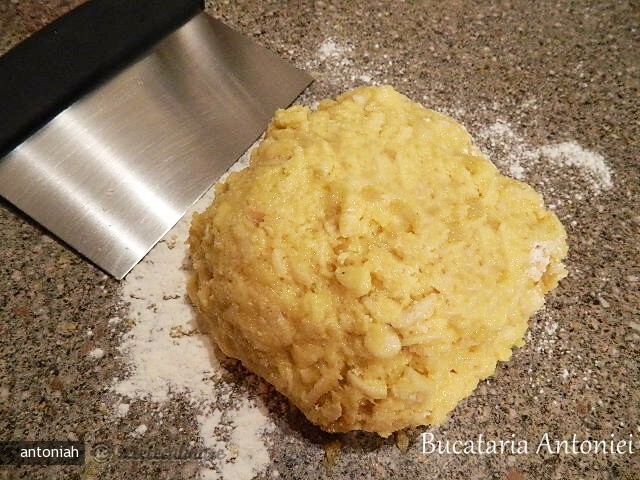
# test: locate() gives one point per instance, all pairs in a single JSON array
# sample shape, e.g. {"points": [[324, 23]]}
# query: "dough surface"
{"points": [[371, 263]]}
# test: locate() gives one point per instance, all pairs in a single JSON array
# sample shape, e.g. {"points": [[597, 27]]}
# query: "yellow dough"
{"points": [[371, 263]]}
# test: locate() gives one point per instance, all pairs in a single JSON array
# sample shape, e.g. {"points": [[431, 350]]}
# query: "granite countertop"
{"points": [[522, 76]]}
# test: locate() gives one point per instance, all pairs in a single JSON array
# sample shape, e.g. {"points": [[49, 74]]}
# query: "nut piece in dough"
{"points": [[371, 262]]}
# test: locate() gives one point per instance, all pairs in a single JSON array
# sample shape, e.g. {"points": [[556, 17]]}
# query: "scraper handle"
{"points": [[49, 70]]}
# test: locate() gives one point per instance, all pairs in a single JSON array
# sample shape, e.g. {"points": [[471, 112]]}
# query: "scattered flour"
{"points": [[589, 163], [507, 147], [542, 335], [161, 364], [330, 50], [333, 62], [122, 409], [550, 328], [168, 356], [241, 464], [511, 152], [208, 423], [241, 454], [96, 353], [139, 431]]}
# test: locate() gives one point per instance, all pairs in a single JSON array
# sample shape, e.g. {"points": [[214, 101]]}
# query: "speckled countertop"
{"points": [[550, 71]]}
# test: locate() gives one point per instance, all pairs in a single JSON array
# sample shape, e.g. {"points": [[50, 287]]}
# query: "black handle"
{"points": [[49, 70]]}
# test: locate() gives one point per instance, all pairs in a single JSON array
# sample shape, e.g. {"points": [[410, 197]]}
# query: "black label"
{"points": [[41, 453]]}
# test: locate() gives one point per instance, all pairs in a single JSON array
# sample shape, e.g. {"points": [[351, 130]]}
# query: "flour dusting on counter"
{"points": [[333, 61], [569, 160], [96, 354], [591, 164], [168, 357]]}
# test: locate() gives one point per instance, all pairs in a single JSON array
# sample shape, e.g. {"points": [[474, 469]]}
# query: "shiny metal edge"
{"points": [[111, 174]]}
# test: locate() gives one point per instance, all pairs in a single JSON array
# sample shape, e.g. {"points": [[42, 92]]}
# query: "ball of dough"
{"points": [[371, 263]]}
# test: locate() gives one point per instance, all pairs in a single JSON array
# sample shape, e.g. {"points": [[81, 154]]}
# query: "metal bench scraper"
{"points": [[118, 116]]}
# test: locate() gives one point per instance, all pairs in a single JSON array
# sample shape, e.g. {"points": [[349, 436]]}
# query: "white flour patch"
{"points": [[168, 357], [334, 62], [209, 423], [122, 409], [557, 161], [139, 431], [507, 148], [244, 454], [96, 354], [589, 163], [235, 434], [330, 50]]}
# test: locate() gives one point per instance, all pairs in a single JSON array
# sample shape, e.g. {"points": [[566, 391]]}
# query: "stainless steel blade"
{"points": [[112, 173]]}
